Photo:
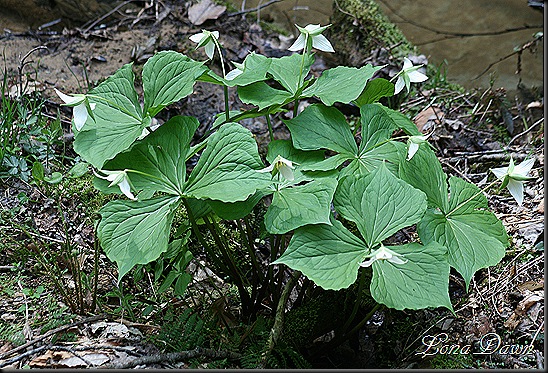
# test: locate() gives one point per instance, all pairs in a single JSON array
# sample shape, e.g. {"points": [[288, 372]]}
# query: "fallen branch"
{"points": [[245, 11], [174, 357], [50, 333]]}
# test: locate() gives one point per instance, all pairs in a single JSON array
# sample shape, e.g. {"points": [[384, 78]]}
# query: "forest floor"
{"points": [[38, 328]]}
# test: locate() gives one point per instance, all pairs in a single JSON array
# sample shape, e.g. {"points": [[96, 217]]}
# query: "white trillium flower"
{"points": [[413, 145], [207, 40], [313, 32], [81, 107], [281, 165], [236, 72], [513, 177], [383, 253], [408, 75], [119, 178]]}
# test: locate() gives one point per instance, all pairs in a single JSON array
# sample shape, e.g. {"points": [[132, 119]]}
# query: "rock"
{"points": [[361, 33]]}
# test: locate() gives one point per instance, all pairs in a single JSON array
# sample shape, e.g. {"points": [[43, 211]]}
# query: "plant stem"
{"points": [[277, 328], [225, 88], [357, 302], [305, 53], [270, 131]]}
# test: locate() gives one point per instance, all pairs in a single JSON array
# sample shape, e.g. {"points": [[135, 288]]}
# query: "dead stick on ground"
{"points": [[52, 332], [177, 356]]}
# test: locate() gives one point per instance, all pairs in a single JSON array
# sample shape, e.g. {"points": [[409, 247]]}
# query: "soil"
{"points": [[506, 300]]}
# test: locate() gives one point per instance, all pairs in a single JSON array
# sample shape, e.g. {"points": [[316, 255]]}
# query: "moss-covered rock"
{"points": [[360, 29]]}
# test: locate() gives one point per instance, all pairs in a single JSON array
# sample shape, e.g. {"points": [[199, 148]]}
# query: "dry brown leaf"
{"points": [[531, 285], [430, 114], [204, 10], [527, 302], [540, 207]]}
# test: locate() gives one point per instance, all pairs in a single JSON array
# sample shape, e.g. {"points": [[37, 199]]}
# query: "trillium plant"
{"points": [[335, 197]]}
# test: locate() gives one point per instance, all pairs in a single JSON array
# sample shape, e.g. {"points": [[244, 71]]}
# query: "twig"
{"points": [[107, 15], [174, 357], [245, 11], [526, 132], [22, 356], [52, 332]]}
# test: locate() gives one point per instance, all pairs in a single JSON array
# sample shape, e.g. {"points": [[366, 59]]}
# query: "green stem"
{"points": [[357, 302], [301, 70], [225, 88], [277, 328], [269, 123]]}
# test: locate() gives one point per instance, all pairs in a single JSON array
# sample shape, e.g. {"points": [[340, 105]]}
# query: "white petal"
{"points": [[92, 106], [320, 42], [210, 50], [400, 83], [397, 260], [287, 173], [68, 99], [80, 115], [412, 150], [232, 74], [416, 77], [524, 167], [299, 44], [500, 172], [197, 38], [312, 28], [267, 169], [215, 34], [125, 188], [407, 63], [367, 263], [516, 190]]}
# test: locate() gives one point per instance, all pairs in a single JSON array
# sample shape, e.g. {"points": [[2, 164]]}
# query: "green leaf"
{"points": [[392, 153], [474, 237], [328, 164], [255, 68], [263, 95], [78, 170], [136, 232], [341, 84], [168, 77], [236, 210], [38, 171], [420, 283], [227, 169], [374, 91], [117, 119], [380, 204], [159, 159], [401, 121], [329, 255], [301, 159], [424, 172], [55, 178], [377, 126], [198, 207], [322, 127], [294, 207], [287, 71]]}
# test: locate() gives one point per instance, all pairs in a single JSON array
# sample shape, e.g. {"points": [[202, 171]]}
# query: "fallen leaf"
{"points": [[531, 285], [204, 10], [540, 207], [530, 299], [91, 358], [428, 117]]}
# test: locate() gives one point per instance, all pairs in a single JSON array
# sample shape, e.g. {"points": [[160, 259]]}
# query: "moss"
{"points": [[452, 362], [360, 27]]}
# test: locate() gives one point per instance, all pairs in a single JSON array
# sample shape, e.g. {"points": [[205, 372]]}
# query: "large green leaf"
{"points": [[136, 232], [322, 127], [474, 237], [159, 158], [227, 169], [329, 255], [423, 281], [263, 95], [402, 121], [290, 71], [380, 204], [392, 153], [294, 207], [168, 77], [340, 84], [236, 210], [377, 126], [374, 91], [424, 172], [117, 119]]}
